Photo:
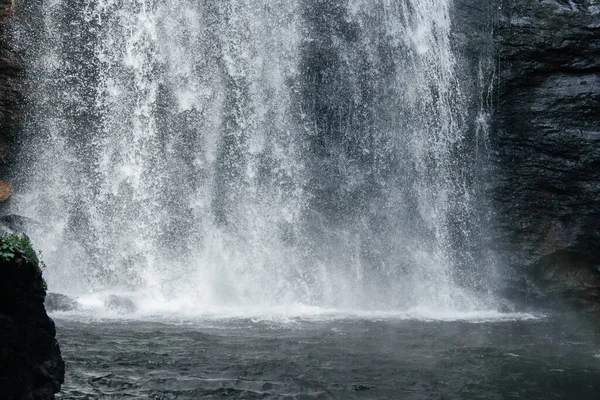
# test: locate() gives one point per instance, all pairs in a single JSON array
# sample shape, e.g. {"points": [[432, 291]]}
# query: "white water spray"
{"points": [[237, 153]]}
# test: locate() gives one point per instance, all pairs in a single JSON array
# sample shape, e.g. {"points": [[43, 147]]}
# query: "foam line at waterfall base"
{"points": [[138, 306]]}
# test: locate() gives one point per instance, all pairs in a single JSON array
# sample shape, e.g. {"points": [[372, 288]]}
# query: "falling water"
{"points": [[242, 153]]}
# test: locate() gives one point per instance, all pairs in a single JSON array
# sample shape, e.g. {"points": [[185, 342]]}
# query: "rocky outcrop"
{"points": [[31, 366], [11, 99], [546, 139]]}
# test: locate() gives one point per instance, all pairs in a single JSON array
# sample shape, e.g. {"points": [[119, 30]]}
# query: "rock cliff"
{"points": [[11, 100], [31, 366], [546, 140]]}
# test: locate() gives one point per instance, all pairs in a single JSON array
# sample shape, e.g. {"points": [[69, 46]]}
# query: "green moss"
{"points": [[15, 245]]}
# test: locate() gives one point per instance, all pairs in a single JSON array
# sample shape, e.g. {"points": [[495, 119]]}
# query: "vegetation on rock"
{"points": [[31, 366], [15, 245]]}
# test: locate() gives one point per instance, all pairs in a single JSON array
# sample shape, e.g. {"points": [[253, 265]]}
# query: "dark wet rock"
{"points": [[522, 294], [546, 139], [542, 91], [15, 223], [506, 308], [31, 366], [11, 91], [120, 304], [566, 270], [60, 302], [572, 275]]}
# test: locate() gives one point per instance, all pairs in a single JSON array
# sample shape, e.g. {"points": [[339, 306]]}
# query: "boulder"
{"points": [[60, 302], [120, 304], [15, 223]]}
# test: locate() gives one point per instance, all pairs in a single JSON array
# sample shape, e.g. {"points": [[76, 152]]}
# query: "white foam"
{"points": [[153, 308]]}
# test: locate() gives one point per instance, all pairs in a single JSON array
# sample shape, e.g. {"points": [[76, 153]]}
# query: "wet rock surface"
{"points": [[31, 367], [60, 302], [120, 304], [15, 223], [546, 140], [11, 97]]}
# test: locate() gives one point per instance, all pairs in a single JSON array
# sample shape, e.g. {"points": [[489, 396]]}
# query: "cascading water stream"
{"points": [[252, 154]]}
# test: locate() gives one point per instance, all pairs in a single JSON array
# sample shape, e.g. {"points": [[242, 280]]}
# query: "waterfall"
{"points": [[244, 153]]}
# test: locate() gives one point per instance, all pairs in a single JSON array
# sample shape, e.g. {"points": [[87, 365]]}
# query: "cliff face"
{"points": [[31, 366], [11, 91], [546, 139], [11, 100]]}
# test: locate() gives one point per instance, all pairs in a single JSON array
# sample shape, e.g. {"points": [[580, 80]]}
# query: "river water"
{"points": [[552, 356]]}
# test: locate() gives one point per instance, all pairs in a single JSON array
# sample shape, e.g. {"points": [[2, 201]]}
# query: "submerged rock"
{"points": [[120, 304], [60, 302], [31, 366]]}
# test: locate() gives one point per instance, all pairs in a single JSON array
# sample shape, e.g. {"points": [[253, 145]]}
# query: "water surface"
{"points": [[555, 356]]}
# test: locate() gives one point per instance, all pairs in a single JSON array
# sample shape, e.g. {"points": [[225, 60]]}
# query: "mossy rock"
{"points": [[14, 246], [31, 366]]}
